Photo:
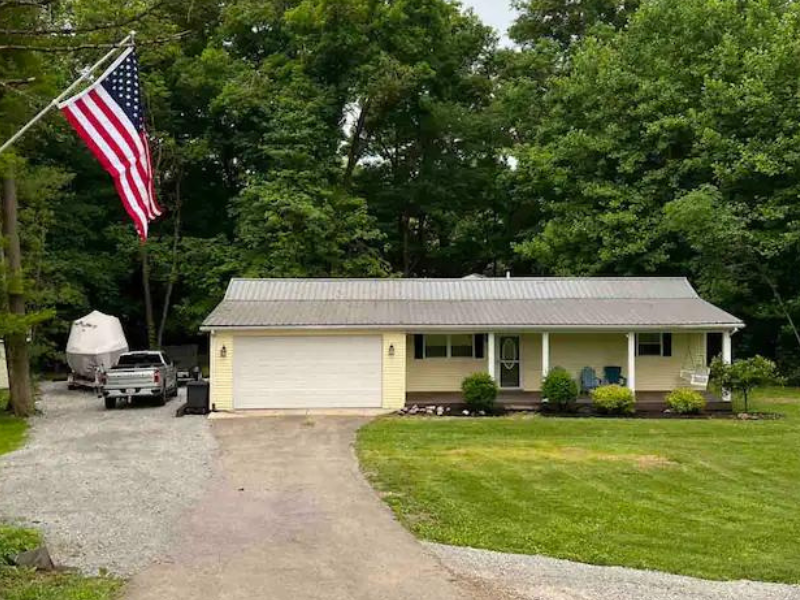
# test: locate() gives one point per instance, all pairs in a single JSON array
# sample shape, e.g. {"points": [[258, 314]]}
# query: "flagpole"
{"points": [[127, 40]]}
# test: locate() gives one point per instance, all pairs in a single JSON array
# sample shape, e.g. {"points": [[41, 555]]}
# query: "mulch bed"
{"points": [[433, 410]]}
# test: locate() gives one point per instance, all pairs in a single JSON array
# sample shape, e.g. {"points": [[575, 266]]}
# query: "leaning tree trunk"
{"points": [[174, 270], [148, 298], [19, 373]]}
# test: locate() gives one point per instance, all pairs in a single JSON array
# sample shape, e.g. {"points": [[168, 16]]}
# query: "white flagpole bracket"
{"points": [[126, 41]]}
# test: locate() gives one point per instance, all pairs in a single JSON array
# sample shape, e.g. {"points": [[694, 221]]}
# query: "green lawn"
{"points": [[24, 584], [711, 498], [27, 584], [12, 429]]}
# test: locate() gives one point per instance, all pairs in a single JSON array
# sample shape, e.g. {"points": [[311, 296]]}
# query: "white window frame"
{"points": [[449, 353], [660, 344]]}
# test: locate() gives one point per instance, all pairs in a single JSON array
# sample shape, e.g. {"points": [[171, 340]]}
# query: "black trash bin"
{"points": [[197, 397]]}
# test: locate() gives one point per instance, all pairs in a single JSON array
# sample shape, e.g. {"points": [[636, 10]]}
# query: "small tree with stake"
{"points": [[745, 375]]}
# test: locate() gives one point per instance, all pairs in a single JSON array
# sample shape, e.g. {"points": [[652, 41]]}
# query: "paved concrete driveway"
{"points": [[290, 517]]}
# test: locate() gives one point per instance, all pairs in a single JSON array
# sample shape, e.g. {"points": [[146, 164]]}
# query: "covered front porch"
{"points": [[651, 363]]}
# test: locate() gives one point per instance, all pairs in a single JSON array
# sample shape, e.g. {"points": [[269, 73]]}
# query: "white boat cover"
{"points": [[96, 340]]}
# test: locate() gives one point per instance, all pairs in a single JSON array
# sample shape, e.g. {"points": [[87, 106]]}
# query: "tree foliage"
{"points": [[363, 138], [745, 375]]}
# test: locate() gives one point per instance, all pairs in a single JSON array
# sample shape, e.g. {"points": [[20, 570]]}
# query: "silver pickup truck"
{"points": [[146, 374]]}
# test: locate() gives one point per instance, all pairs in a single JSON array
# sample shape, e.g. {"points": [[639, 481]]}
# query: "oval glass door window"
{"points": [[509, 362]]}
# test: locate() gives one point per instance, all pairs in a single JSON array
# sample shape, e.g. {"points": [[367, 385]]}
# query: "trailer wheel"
{"points": [[111, 403]]}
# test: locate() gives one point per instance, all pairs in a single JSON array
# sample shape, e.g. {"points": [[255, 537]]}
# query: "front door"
{"points": [[509, 363]]}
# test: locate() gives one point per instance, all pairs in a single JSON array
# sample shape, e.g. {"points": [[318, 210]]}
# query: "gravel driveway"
{"points": [[106, 487], [540, 578]]}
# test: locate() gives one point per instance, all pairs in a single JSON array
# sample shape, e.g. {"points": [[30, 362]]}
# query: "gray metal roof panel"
{"points": [[575, 312], [522, 288]]}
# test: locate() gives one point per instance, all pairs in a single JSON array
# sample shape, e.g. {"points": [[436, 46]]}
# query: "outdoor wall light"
{"points": [[223, 352], [391, 349]]}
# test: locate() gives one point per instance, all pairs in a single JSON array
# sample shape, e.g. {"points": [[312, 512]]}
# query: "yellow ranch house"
{"points": [[385, 343]]}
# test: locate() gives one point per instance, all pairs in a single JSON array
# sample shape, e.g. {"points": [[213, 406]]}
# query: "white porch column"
{"points": [[631, 375], [545, 354], [490, 350], [727, 356]]}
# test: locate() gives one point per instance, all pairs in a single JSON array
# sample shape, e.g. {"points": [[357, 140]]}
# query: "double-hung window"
{"points": [[654, 344], [436, 346], [456, 345]]}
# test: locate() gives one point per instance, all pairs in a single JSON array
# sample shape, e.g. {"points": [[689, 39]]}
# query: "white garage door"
{"points": [[307, 372]]}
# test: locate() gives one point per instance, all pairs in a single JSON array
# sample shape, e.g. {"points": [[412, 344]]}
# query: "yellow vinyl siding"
{"points": [[663, 373], [573, 351], [438, 374], [531, 353], [221, 387], [394, 370]]}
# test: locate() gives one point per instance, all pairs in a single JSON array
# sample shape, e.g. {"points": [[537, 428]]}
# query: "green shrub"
{"points": [[559, 388], [14, 540], [480, 392], [685, 401], [613, 400], [745, 375]]}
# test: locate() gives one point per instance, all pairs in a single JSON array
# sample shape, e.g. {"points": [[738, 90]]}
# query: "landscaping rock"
{"points": [[465, 413], [38, 558], [439, 410]]}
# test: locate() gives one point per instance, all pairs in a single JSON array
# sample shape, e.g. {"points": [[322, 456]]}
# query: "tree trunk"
{"points": [[174, 271], [405, 224], [773, 286], [19, 373], [355, 144], [148, 299]]}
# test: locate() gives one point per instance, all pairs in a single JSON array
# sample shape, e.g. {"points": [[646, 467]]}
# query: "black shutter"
{"points": [[419, 345], [666, 344], [479, 344]]}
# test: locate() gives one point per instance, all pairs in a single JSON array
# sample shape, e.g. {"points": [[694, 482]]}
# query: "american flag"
{"points": [[109, 117]]}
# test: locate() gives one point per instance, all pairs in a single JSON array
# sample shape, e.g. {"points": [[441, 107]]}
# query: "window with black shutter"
{"points": [[666, 344], [419, 346], [480, 344]]}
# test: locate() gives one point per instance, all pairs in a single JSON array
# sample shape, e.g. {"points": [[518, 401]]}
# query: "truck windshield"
{"points": [[140, 359]]}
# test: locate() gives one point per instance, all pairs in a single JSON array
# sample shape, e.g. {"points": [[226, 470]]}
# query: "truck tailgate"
{"points": [[125, 379]]}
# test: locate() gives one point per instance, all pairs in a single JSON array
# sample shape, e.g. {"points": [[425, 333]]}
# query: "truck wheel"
{"points": [[161, 399], [111, 403]]}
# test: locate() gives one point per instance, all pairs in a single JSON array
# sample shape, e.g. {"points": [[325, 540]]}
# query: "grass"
{"points": [[710, 498], [12, 429], [27, 584]]}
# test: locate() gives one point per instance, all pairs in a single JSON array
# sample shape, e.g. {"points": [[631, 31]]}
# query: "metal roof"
{"points": [[462, 303]]}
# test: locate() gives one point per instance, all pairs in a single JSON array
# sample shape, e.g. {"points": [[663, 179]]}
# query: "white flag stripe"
{"points": [[121, 117], [129, 158], [104, 97], [112, 158]]}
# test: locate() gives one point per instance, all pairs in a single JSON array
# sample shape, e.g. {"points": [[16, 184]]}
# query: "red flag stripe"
{"points": [[116, 144], [118, 170], [110, 118], [107, 113], [155, 205], [106, 158]]}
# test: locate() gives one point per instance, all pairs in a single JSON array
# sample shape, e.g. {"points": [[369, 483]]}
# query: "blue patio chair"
{"points": [[613, 375], [589, 379]]}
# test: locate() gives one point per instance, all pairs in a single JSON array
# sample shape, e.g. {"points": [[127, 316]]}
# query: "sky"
{"points": [[496, 13]]}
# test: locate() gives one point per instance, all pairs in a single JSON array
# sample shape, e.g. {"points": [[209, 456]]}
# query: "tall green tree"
{"points": [[692, 101]]}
